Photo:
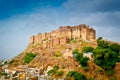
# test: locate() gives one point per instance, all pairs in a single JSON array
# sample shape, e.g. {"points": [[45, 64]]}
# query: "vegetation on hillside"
{"points": [[56, 72], [73, 40], [29, 57], [79, 57], [106, 55], [87, 49], [76, 75]]}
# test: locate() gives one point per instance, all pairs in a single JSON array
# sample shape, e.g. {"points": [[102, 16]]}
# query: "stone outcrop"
{"points": [[63, 35]]}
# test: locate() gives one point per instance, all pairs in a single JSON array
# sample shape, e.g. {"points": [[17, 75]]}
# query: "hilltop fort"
{"points": [[65, 50], [63, 35]]}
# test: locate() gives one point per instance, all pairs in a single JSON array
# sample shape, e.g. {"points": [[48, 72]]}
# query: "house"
{"points": [[88, 55], [9, 71], [34, 71], [68, 53]]}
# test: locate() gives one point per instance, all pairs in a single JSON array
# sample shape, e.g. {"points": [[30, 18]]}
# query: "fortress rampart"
{"points": [[63, 35]]}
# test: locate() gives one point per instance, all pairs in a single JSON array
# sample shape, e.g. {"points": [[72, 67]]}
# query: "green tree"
{"points": [[106, 55], [105, 58], [79, 57], [84, 61], [102, 43], [87, 49], [115, 47]]}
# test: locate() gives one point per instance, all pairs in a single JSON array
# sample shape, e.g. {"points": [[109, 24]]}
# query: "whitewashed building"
{"points": [[88, 55]]}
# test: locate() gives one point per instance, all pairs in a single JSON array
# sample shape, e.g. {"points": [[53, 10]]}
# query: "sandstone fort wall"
{"points": [[63, 35]]}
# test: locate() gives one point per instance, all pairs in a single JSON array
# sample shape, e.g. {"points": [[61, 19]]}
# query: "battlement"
{"points": [[64, 34]]}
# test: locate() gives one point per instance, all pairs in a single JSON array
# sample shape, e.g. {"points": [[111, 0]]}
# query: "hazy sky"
{"points": [[19, 19]]}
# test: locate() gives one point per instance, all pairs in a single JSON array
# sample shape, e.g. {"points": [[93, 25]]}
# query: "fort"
{"points": [[63, 35]]}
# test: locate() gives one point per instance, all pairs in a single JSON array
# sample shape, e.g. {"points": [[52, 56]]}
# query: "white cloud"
{"points": [[92, 5]]}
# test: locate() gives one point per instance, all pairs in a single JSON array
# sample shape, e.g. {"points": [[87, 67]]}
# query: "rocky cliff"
{"points": [[63, 35]]}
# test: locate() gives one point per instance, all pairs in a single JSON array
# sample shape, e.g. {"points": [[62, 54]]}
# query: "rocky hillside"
{"points": [[58, 54], [54, 57], [54, 53]]}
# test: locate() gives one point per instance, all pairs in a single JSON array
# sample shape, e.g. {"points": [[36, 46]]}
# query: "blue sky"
{"points": [[19, 19]]}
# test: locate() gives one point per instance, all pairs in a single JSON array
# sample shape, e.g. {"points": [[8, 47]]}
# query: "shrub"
{"points": [[79, 76], [59, 73], [58, 54], [70, 73], [76, 75], [56, 68], [50, 72], [102, 43], [55, 71], [3, 73], [79, 57], [115, 48], [90, 79], [76, 51], [86, 68], [12, 61], [73, 40], [106, 55], [87, 49], [84, 61], [105, 58], [29, 57], [110, 72]]}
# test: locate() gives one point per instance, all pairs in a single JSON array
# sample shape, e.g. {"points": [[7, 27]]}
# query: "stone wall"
{"points": [[64, 34]]}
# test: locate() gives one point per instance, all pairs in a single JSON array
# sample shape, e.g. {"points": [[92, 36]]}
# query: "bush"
{"points": [[84, 61], [73, 40], [105, 58], [50, 72], [110, 72], [55, 71], [58, 54], [102, 43], [79, 57], [106, 55], [86, 68], [59, 73], [87, 49], [90, 79], [29, 57], [76, 51], [118, 60], [79, 76], [3, 73], [12, 61], [56, 68], [70, 73], [76, 75], [115, 48]]}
